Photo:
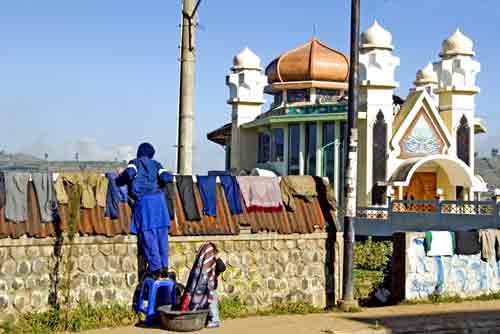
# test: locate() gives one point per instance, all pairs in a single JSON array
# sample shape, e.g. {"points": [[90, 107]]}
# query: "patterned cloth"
{"points": [[260, 193], [297, 186], [201, 281]]}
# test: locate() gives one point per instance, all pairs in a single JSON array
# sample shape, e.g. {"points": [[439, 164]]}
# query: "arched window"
{"points": [[463, 141], [379, 158]]}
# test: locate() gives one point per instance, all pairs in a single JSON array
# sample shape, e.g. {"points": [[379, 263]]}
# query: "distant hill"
{"points": [[22, 161], [17, 157]]}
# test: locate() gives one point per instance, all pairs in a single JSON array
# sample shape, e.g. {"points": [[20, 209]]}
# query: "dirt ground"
{"points": [[467, 317]]}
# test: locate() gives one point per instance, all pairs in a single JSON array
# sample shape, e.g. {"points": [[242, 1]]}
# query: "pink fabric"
{"points": [[260, 193]]}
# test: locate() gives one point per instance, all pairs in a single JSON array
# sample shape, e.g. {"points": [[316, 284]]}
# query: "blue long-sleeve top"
{"points": [[143, 176]]}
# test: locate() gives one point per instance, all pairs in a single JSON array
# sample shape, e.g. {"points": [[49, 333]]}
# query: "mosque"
{"points": [[417, 148]]}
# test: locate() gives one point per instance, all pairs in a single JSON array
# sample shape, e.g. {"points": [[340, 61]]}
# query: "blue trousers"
{"points": [[155, 245]]}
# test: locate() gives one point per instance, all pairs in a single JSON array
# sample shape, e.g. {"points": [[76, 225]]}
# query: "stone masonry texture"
{"points": [[262, 269]]}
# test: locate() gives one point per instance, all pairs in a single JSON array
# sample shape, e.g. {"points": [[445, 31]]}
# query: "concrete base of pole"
{"points": [[348, 305]]}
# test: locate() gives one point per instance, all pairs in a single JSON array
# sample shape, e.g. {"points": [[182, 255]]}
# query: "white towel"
{"points": [[441, 244]]}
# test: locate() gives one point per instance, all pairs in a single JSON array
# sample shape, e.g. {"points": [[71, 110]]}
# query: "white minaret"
{"points": [[246, 96], [377, 80], [457, 88], [427, 79]]}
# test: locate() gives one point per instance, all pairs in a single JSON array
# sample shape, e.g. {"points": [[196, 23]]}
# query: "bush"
{"points": [[370, 255]]}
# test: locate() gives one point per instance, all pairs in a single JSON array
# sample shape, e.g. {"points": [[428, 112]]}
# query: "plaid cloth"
{"points": [[201, 281]]}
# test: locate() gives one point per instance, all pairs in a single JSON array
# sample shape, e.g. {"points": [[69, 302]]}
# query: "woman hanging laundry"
{"points": [[150, 217]]}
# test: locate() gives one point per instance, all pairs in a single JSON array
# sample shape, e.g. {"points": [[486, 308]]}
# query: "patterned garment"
{"points": [[261, 193], [201, 281]]}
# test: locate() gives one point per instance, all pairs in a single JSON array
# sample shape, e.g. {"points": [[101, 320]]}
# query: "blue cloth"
{"points": [[155, 245], [113, 197], [150, 213], [213, 310], [207, 186], [232, 191]]}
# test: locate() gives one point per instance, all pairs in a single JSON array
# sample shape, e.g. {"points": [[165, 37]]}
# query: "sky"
{"points": [[98, 77]]}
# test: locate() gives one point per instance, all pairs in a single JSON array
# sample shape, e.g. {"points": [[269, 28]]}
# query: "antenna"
{"points": [[314, 29]]}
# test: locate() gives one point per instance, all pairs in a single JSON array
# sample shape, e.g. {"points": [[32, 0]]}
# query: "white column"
{"points": [[338, 161], [319, 144], [302, 157]]}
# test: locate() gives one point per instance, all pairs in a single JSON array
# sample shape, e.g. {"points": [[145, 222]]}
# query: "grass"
{"points": [[82, 317], [447, 299], [233, 307], [87, 317]]}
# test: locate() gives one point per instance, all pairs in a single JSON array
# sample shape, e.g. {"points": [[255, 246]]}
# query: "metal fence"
{"points": [[420, 216]]}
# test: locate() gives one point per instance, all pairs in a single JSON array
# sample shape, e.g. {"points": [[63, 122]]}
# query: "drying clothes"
{"points": [[186, 193], [87, 182], [101, 191], [2, 190], [113, 197], [232, 192], [260, 193], [61, 195], [44, 190], [16, 199], [297, 186], [201, 281], [439, 243], [490, 244], [325, 191], [169, 190], [467, 242], [207, 186], [155, 245]]}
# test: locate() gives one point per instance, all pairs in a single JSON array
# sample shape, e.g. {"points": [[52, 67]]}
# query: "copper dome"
{"points": [[312, 61]]}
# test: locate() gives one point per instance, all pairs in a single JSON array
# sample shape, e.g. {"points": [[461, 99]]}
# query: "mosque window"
{"points": [[463, 141], [278, 145], [379, 161], [293, 149], [327, 95], [310, 149], [264, 152], [297, 95], [422, 139], [278, 99]]}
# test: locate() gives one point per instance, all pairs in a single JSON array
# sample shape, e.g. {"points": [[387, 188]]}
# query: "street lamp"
{"points": [[348, 302]]}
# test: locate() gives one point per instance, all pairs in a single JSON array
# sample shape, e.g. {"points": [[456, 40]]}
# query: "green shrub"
{"points": [[370, 255]]}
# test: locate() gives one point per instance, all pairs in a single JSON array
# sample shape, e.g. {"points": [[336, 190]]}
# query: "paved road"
{"points": [[467, 317]]}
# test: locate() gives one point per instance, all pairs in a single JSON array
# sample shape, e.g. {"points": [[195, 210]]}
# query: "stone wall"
{"points": [[417, 276], [262, 268]]}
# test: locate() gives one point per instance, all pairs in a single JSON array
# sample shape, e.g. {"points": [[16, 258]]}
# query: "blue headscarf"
{"points": [[145, 150]]}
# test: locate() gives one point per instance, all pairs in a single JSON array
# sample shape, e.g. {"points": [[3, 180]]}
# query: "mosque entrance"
{"points": [[422, 187]]}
